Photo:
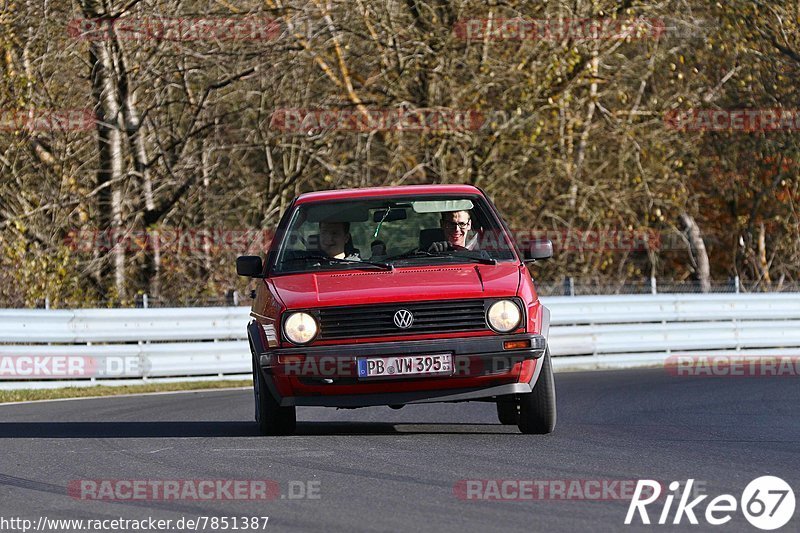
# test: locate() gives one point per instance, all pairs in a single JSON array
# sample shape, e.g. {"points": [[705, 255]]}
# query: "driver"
{"points": [[334, 238], [455, 225]]}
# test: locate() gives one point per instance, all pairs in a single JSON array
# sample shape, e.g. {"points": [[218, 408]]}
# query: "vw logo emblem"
{"points": [[403, 319]]}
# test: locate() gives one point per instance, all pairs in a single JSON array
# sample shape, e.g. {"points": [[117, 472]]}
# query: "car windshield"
{"points": [[391, 232]]}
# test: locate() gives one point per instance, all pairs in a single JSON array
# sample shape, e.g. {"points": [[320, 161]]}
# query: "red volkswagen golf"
{"points": [[392, 296]]}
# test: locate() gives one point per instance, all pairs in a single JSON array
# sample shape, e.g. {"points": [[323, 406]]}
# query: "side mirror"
{"points": [[538, 250], [250, 266]]}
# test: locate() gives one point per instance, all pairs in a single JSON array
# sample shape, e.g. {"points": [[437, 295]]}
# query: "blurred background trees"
{"points": [[572, 136]]}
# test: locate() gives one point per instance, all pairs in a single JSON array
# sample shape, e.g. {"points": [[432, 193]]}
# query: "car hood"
{"points": [[359, 287]]}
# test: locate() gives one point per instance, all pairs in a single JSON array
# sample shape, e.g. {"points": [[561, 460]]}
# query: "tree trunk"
{"points": [[110, 172], [763, 265], [698, 251]]}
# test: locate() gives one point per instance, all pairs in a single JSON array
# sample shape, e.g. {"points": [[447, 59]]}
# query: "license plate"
{"points": [[406, 365]]}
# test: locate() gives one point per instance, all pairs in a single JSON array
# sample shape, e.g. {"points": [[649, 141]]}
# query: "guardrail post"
{"points": [[569, 286], [653, 286], [144, 301], [736, 284], [230, 297]]}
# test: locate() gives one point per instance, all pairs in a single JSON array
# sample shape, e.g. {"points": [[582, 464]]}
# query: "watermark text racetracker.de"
{"points": [[741, 120], [344, 366], [545, 489], [47, 120], [736, 366], [169, 239], [193, 489], [42, 366], [552, 29], [363, 120], [586, 240], [248, 28]]}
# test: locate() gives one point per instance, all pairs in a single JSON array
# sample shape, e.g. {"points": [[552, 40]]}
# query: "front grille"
{"points": [[376, 320]]}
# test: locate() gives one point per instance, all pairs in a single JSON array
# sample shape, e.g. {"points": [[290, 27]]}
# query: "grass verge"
{"points": [[24, 395]]}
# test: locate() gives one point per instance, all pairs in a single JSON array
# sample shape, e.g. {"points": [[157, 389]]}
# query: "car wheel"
{"points": [[537, 409], [508, 410], [272, 419]]}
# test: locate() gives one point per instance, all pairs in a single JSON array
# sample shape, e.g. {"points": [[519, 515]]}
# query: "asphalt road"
{"points": [[378, 469]]}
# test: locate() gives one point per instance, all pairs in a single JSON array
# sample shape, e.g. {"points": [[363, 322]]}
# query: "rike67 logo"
{"points": [[767, 503]]}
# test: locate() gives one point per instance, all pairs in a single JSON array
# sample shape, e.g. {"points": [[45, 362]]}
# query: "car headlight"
{"points": [[503, 316], [300, 328]]}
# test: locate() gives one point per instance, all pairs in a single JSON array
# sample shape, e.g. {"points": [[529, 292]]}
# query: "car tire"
{"points": [[537, 409], [508, 410], [272, 419]]}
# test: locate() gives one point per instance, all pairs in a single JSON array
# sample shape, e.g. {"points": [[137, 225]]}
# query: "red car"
{"points": [[398, 295]]}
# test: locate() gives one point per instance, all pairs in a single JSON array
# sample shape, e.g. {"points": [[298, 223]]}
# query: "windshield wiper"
{"points": [[417, 253], [482, 260], [387, 266], [423, 253]]}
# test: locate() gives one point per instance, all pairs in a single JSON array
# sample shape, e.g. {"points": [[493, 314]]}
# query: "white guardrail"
{"points": [[587, 332]]}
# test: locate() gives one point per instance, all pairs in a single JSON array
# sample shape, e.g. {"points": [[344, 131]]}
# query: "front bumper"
{"points": [[482, 370]]}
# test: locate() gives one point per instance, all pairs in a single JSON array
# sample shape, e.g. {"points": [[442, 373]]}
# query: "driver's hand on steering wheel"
{"points": [[441, 246]]}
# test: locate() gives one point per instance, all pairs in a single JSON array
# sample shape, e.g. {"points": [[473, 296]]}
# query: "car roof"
{"points": [[373, 192]]}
